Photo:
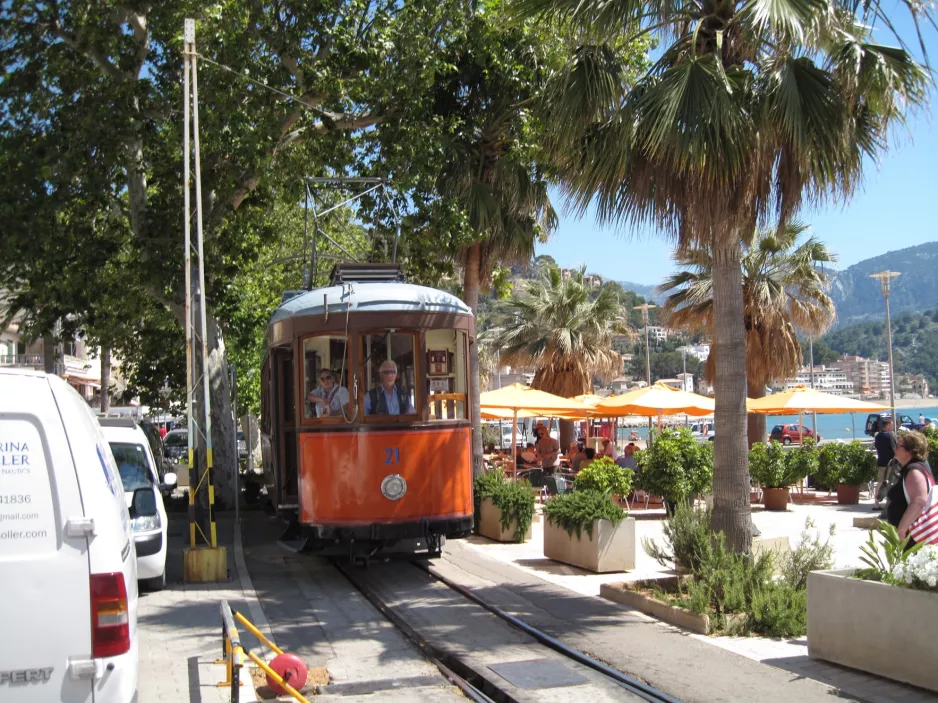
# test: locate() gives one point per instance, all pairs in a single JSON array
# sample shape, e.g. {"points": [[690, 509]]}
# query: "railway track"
{"points": [[395, 589]]}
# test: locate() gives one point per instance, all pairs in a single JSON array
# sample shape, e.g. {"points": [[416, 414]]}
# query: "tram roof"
{"points": [[371, 297]]}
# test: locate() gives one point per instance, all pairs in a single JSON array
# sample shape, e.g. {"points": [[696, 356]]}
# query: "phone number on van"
{"points": [[15, 499]]}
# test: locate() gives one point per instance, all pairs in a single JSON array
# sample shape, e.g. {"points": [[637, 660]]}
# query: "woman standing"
{"points": [[907, 499]]}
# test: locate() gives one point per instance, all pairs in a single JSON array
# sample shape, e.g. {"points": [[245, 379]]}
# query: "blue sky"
{"points": [[896, 207]]}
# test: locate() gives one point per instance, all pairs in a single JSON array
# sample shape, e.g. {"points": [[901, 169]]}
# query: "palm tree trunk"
{"points": [[105, 379], [731, 510], [756, 423], [471, 283], [566, 434]]}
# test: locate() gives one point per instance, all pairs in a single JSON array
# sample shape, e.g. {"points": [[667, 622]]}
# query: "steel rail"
{"points": [[630, 683], [443, 662]]}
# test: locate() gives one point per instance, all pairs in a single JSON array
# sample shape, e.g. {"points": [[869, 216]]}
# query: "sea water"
{"points": [[847, 426]]}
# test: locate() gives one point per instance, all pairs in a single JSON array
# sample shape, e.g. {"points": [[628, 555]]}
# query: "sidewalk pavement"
{"points": [[180, 629], [538, 584], [301, 603]]}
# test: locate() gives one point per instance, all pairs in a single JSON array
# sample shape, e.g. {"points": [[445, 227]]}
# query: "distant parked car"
{"points": [[242, 446], [176, 443], [791, 434], [874, 422]]}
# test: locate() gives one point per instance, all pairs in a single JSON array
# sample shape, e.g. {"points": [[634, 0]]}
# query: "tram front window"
{"points": [[390, 373], [325, 374], [446, 374]]}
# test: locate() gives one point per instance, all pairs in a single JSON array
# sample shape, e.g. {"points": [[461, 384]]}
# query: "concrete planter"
{"points": [[609, 549], [847, 494], [490, 524], [775, 499], [873, 627]]}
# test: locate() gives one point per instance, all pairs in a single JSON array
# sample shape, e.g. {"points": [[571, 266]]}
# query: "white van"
{"points": [[140, 478], [68, 573]]}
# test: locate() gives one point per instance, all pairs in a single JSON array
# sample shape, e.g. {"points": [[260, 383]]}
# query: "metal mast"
{"points": [[200, 564], [885, 281]]}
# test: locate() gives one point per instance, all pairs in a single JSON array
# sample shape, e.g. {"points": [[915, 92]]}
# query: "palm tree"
{"points": [[753, 108], [783, 293], [557, 327]]}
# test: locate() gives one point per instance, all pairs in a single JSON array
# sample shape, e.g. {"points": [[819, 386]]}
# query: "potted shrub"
{"points": [[676, 467], [605, 476], [831, 460], [898, 600], [588, 529], [769, 465], [858, 469], [505, 508]]}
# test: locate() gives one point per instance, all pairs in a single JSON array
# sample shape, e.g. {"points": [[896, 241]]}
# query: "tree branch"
{"points": [[75, 42], [250, 179]]}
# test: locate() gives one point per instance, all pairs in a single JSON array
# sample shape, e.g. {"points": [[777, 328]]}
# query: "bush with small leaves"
{"points": [[576, 511], [605, 476]]}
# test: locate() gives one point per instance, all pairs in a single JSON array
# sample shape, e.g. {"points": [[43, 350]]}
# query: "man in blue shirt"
{"points": [[388, 398]]}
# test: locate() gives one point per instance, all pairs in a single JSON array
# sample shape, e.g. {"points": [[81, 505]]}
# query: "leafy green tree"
{"points": [[784, 293], [91, 119], [555, 327], [752, 109]]}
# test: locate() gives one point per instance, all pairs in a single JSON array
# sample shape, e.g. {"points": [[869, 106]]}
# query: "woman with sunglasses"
{"points": [[907, 498], [330, 398]]}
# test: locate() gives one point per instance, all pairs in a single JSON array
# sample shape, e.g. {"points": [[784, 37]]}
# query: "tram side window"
{"points": [[446, 374], [325, 377], [390, 372]]}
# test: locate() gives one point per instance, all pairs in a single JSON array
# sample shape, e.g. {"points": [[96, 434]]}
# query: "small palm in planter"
{"points": [[858, 469], [775, 472], [605, 476], [587, 528]]}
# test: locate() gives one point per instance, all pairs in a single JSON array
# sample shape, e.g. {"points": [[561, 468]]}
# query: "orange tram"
{"points": [[366, 432]]}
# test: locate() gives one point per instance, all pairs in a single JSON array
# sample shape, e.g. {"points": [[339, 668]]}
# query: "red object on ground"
{"points": [[291, 669]]}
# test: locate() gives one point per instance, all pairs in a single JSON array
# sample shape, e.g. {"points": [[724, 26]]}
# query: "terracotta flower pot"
{"points": [[775, 498], [847, 494]]}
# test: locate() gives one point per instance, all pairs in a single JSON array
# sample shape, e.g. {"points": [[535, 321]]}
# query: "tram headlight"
{"points": [[393, 486]]}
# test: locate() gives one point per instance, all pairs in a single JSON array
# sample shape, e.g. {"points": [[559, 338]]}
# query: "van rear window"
{"points": [[27, 516]]}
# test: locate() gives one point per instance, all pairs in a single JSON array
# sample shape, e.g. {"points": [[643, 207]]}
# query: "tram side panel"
{"points": [[346, 477]]}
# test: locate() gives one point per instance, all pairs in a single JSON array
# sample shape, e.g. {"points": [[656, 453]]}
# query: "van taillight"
{"points": [[110, 619]]}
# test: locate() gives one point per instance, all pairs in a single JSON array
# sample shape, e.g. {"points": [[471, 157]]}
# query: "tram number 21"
{"points": [[392, 455]]}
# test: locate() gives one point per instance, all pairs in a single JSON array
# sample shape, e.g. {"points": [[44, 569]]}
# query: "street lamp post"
{"points": [[885, 280], [645, 307]]}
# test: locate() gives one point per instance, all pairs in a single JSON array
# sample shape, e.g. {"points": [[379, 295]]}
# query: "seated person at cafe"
{"points": [[608, 448], [627, 460], [576, 455], [388, 398], [528, 456], [547, 449], [330, 398]]}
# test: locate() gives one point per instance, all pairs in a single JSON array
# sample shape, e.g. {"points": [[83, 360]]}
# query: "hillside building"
{"points": [[829, 380], [869, 377]]}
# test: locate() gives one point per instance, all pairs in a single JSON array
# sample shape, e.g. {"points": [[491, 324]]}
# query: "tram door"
{"points": [[286, 409]]}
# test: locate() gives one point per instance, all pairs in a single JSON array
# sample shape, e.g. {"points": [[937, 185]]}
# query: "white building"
{"points": [[701, 352], [829, 380]]}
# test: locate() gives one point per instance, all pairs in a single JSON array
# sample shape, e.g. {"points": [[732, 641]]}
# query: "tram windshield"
{"points": [[390, 372], [325, 377], [446, 374]]}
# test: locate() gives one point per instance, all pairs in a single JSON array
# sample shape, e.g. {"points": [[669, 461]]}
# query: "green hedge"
{"points": [[676, 466], [577, 510], [515, 500], [852, 464], [605, 476]]}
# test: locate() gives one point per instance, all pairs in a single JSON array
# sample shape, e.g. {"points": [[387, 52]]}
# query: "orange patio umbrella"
{"points": [[518, 398], [802, 399], [656, 399]]}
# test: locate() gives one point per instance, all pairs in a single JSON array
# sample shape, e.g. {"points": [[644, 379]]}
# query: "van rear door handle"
{"points": [[79, 527]]}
